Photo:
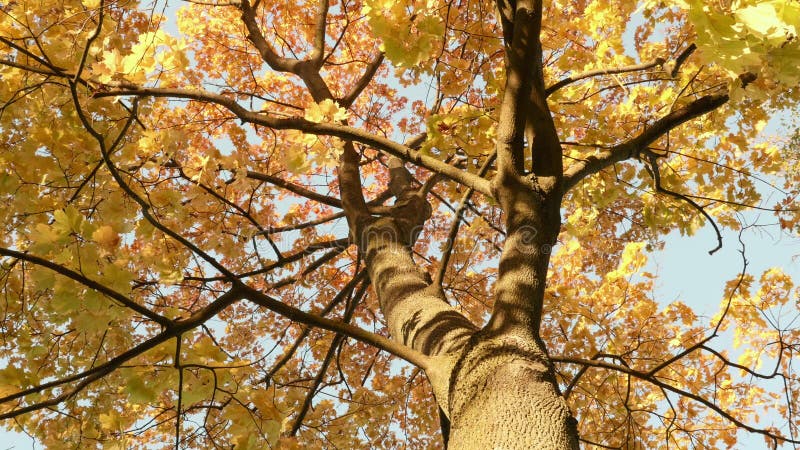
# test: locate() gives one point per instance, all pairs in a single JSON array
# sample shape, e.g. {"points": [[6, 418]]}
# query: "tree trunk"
{"points": [[503, 391], [496, 385], [503, 395]]}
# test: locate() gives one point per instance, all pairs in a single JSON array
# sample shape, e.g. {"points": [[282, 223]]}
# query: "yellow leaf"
{"points": [[106, 237], [108, 66], [761, 19], [110, 421], [137, 389], [295, 159], [67, 220], [632, 260], [44, 236], [66, 297], [326, 111]]}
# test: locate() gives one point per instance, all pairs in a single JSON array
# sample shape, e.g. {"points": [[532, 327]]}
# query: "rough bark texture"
{"points": [[503, 392], [495, 385], [503, 395]]}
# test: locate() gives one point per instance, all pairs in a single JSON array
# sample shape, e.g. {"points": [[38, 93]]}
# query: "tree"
{"points": [[231, 230]]}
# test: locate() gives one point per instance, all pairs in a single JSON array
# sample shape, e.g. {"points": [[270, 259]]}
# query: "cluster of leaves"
{"points": [[126, 217], [750, 36]]}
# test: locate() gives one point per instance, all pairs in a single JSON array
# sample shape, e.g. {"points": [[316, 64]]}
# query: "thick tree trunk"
{"points": [[503, 396], [495, 385], [503, 392]]}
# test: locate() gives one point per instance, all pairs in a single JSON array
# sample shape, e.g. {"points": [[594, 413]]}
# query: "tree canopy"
{"points": [[344, 223]]}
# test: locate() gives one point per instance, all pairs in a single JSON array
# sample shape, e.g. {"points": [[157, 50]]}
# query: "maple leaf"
{"points": [[326, 111]]}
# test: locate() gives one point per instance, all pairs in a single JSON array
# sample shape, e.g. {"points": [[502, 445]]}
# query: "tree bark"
{"points": [[504, 396], [503, 390], [496, 385]]}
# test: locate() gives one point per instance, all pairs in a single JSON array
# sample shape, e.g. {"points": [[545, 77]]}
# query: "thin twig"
{"points": [[654, 172]]}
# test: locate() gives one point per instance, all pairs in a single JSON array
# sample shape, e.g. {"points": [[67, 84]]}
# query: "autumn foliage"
{"points": [[203, 206]]}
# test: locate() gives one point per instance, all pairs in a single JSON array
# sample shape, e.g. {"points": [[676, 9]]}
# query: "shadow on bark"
{"points": [[437, 331]]}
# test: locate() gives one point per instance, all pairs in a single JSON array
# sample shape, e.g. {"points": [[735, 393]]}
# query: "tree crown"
{"points": [[195, 196]]}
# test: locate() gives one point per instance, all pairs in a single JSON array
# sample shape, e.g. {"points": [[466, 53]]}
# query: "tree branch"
{"points": [[289, 352], [524, 88], [338, 340], [686, 394], [294, 257], [682, 59], [297, 123], [405, 152], [372, 204], [656, 175], [658, 62], [395, 348], [103, 289], [634, 146], [295, 188], [92, 37], [307, 70], [319, 34], [90, 375], [266, 51], [363, 82], [459, 214], [596, 72], [144, 206]]}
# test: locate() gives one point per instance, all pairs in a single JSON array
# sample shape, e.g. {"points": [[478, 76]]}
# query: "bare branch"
{"points": [[309, 249], [57, 71], [395, 348], [596, 72], [372, 204], [658, 62], [702, 343]]}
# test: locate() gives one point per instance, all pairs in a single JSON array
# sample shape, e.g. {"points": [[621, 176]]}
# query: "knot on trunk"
{"points": [[408, 214]]}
